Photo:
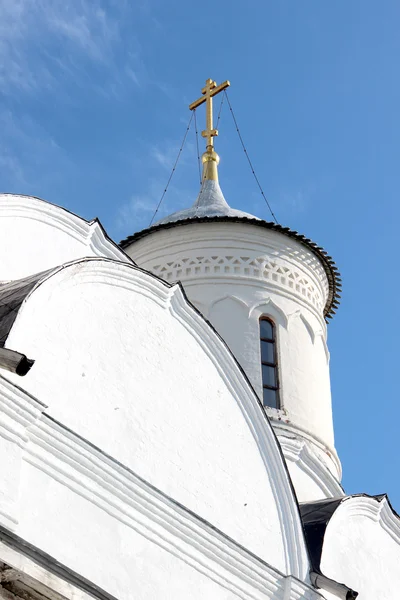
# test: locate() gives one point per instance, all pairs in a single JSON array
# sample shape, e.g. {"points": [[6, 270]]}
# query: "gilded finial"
{"points": [[210, 158]]}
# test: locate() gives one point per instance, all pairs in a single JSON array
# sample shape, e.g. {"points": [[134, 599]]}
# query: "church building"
{"points": [[166, 425]]}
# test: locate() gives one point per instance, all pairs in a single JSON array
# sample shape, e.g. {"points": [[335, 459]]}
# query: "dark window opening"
{"points": [[269, 363]]}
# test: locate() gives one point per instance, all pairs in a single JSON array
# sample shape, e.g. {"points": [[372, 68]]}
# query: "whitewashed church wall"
{"points": [[36, 235], [362, 548], [105, 550], [303, 367], [121, 359], [311, 484], [235, 273], [302, 359], [330, 596], [97, 518], [309, 464]]}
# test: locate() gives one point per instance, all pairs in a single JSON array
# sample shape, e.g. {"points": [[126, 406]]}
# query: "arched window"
{"points": [[269, 363]]}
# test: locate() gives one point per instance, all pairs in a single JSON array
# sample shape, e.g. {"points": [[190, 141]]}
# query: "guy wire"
{"points": [[248, 158], [197, 144], [173, 168]]}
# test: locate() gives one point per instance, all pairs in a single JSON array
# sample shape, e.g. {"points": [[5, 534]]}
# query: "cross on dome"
{"points": [[210, 202], [209, 91], [210, 158]]}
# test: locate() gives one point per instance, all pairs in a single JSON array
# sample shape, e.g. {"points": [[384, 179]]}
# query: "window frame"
{"points": [[274, 365]]}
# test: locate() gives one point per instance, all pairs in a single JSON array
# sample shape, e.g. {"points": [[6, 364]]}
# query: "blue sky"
{"points": [[93, 106]]}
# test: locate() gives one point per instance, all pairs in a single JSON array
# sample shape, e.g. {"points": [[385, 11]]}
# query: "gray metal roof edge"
{"points": [[331, 271]]}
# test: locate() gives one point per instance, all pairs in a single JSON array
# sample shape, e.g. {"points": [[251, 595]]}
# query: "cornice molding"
{"points": [[313, 333], [294, 431], [236, 299], [273, 273], [88, 233], [235, 249], [308, 250], [35, 571], [18, 411], [377, 509], [298, 451], [268, 304], [98, 478], [86, 470], [268, 287]]}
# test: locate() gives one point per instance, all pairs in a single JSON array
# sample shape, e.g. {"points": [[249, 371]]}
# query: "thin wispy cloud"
{"points": [[182, 190], [285, 203], [60, 54], [43, 41], [28, 154], [166, 156], [137, 213], [60, 61], [295, 200], [9, 163], [166, 153]]}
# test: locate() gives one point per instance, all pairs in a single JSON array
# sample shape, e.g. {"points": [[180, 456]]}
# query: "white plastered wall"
{"points": [[36, 235], [362, 548], [124, 361], [95, 516], [234, 273], [105, 550]]}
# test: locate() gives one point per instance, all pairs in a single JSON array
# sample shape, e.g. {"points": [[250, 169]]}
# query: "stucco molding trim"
{"points": [[39, 571], [88, 233], [378, 510], [312, 253], [269, 289], [235, 267], [18, 411], [101, 245], [295, 591], [7, 517], [309, 251], [314, 334], [298, 314], [255, 417], [230, 297], [295, 432], [269, 304], [83, 468], [298, 451]]}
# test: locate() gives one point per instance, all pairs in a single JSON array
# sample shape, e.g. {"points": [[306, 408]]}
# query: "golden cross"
{"points": [[208, 92]]}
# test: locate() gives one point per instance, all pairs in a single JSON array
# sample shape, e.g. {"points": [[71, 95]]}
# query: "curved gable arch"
{"points": [[125, 361], [268, 307], [359, 525], [230, 313], [315, 334], [230, 298], [36, 235], [298, 314]]}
